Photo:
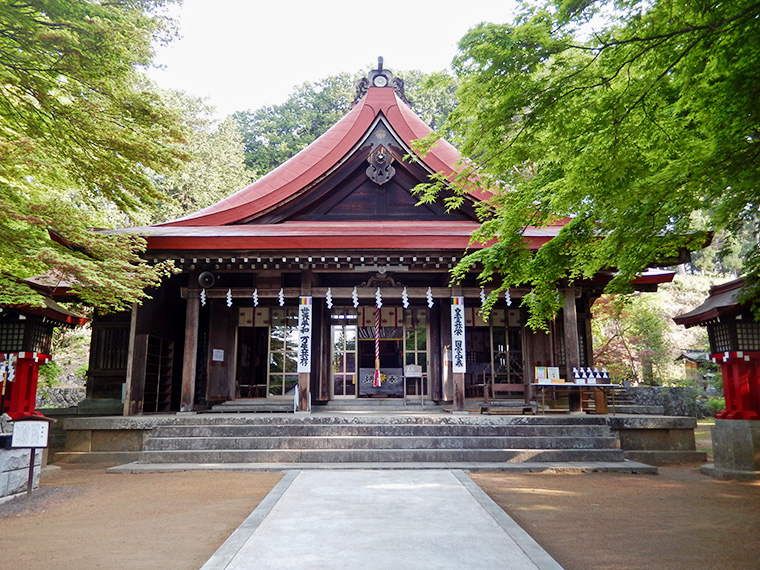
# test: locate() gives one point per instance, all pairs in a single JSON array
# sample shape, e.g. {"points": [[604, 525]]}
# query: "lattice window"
{"points": [[283, 352], [507, 355], [11, 337], [344, 331], [110, 348], [416, 345], [40, 336], [748, 336], [720, 337]]}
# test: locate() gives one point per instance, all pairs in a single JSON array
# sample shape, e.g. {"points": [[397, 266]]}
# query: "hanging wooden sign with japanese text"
{"points": [[304, 335], [458, 346]]}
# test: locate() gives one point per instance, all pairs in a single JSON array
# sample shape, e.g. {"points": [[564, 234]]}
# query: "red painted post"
{"points": [[741, 384]]}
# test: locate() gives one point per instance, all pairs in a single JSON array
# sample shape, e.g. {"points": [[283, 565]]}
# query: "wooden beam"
{"points": [[189, 358], [440, 294]]}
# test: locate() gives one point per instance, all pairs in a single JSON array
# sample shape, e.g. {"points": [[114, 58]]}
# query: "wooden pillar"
{"points": [[303, 392], [132, 405], [435, 363], [572, 345], [458, 391], [189, 357], [323, 331]]}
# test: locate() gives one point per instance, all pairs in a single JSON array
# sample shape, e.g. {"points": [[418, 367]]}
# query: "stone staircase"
{"points": [[626, 403], [253, 406], [350, 439]]}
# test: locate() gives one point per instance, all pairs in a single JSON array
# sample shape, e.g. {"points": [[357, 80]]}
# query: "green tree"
{"points": [[727, 251], [215, 167], [432, 96], [631, 338], [80, 127], [626, 117], [274, 133]]}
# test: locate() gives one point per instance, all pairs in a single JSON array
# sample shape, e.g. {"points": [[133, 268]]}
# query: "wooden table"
{"points": [[570, 387]]}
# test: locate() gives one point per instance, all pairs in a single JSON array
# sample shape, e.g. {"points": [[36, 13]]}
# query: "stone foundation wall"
{"points": [[14, 471], [676, 401], [59, 397]]}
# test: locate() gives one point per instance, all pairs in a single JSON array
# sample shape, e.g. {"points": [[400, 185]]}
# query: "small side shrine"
{"points": [[734, 344], [25, 344], [326, 278]]}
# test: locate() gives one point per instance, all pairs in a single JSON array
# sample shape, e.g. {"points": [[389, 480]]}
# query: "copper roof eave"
{"points": [[312, 236], [647, 281], [722, 302], [54, 312], [53, 285]]}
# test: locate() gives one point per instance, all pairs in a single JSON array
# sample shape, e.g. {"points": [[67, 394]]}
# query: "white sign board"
{"points": [[413, 371], [458, 347], [30, 434], [304, 335]]}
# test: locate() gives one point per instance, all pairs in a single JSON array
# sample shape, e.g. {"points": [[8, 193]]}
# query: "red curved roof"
{"points": [[321, 156], [723, 301]]}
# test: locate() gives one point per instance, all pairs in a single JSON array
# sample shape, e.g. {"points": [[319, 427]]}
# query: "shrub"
{"points": [[49, 373], [715, 405], [82, 371]]}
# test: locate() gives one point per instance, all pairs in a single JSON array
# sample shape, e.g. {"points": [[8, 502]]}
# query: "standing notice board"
{"points": [[30, 434]]}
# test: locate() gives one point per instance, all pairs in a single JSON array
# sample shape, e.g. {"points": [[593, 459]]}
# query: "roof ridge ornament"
{"points": [[380, 78]]}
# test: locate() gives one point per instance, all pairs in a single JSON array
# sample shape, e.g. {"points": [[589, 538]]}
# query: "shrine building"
{"points": [[336, 238]]}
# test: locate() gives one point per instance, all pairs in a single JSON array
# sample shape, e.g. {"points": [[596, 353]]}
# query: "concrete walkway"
{"points": [[389, 519]]}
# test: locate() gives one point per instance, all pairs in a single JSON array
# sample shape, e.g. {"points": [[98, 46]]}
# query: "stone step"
{"points": [[381, 455], [378, 442], [403, 430], [104, 457], [574, 467], [357, 419], [639, 409], [382, 401], [252, 406]]}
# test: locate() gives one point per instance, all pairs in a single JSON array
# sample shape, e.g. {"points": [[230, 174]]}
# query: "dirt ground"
{"points": [[84, 518], [677, 520]]}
